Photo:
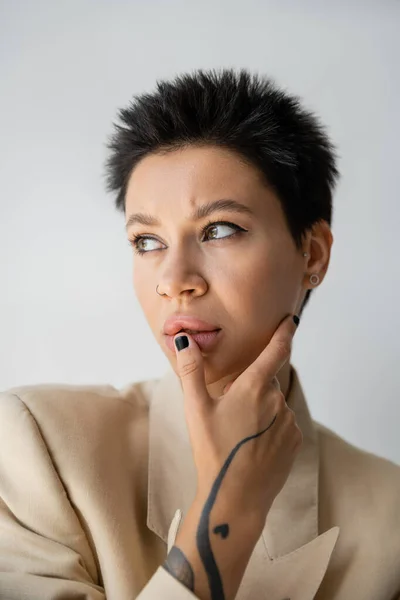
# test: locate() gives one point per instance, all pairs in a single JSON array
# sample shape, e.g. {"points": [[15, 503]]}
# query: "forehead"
{"points": [[190, 175]]}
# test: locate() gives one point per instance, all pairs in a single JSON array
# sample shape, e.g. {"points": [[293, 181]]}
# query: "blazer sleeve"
{"points": [[44, 552]]}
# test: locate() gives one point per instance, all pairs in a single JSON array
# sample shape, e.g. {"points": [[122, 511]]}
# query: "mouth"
{"points": [[206, 340], [189, 323], [196, 331]]}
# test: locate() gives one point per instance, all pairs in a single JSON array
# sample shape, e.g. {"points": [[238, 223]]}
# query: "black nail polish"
{"points": [[181, 342], [296, 319]]}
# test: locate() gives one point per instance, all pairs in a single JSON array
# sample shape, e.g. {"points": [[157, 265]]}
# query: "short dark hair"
{"points": [[241, 111]]}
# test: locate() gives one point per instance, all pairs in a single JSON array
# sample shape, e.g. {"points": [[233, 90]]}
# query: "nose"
{"points": [[176, 289], [181, 273]]}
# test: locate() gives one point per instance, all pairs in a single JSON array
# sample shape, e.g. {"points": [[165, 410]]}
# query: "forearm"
{"points": [[211, 561]]}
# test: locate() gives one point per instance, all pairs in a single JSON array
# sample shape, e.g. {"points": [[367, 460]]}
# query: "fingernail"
{"points": [[181, 342], [296, 320]]}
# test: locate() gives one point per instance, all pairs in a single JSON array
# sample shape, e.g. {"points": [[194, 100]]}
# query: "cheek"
{"points": [[267, 289], [243, 288], [137, 282], [137, 278], [145, 295]]}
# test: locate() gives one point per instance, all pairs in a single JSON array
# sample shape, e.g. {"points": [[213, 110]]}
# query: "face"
{"points": [[243, 275]]}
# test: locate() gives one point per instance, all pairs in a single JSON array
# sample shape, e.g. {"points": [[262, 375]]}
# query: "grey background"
{"points": [[67, 308]]}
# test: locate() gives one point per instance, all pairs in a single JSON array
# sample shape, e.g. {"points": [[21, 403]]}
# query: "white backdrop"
{"points": [[67, 307]]}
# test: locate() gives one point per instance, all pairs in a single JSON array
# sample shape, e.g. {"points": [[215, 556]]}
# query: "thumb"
{"points": [[190, 367]]}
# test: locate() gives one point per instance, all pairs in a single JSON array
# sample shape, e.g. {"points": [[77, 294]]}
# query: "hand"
{"points": [[244, 445], [253, 413]]}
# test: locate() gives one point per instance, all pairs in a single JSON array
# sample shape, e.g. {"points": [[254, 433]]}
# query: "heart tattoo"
{"points": [[222, 529]]}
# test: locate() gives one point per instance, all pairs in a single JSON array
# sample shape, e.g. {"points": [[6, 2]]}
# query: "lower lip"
{"points": [[205, 340]]}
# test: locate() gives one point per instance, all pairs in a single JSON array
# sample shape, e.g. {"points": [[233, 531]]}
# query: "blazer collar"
{"points": [[293, 519]]}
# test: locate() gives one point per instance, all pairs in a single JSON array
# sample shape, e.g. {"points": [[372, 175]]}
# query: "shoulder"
{"points": [[76, 412], [357, 482], [350, 459], [66, 397]]}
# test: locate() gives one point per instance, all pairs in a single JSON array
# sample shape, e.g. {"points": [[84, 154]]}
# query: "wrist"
{"points": [[231, 546], [248, 520]]}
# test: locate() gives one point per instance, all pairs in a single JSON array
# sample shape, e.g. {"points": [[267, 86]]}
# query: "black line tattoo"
{"points": [[179, 567], [176, 562], [203, 537]]}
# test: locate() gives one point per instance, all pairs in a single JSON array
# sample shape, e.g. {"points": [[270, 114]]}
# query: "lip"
{"points": [[176, 322], [206, 340]]}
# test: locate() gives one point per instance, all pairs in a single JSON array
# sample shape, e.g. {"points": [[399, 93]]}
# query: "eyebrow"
{"points": [[200, 212]]}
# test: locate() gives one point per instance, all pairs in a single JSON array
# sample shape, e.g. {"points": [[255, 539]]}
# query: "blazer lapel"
{"points": [[293, 519], [290, 558]]}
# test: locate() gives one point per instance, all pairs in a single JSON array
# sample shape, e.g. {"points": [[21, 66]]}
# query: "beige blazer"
{"points": [[95, 481]]}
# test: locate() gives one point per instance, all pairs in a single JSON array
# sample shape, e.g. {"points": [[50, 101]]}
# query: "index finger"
{"points": [[274, 355]]}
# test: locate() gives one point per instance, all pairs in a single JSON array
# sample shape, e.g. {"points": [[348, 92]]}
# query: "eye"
{"points": [[210, 226], [213, 225]]}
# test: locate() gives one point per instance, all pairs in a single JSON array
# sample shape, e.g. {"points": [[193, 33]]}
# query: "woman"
{"points": [[212, 481]]}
